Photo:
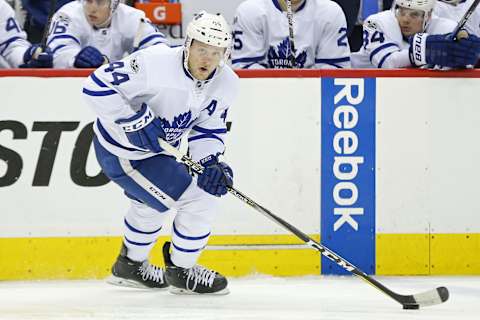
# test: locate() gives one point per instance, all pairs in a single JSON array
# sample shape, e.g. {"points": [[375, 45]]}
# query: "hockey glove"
{"points": [[216, 176], [89, 57], [37, 57], [143, 129], [442, 50]]}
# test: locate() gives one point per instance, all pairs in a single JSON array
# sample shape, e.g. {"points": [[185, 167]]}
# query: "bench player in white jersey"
{"points": [[261, 35], [410, 36], [15, 50], [89, 33], [167, 93], [455, 9]]}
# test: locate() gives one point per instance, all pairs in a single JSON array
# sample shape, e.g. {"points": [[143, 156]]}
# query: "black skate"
{"points": [[129, 273], [195, 280]]}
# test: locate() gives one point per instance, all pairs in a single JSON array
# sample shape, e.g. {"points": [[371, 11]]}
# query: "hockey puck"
{"points": [[411, 306]]}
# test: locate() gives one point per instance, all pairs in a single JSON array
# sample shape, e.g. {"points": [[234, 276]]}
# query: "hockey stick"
{"points": [[290, 34], [464, 19], [53, 6], [428, 298]]}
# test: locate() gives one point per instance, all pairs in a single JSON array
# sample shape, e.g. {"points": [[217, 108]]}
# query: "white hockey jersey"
{"points": [[70, 32], [13, 40], [260, 31], [456, 13], [185, 106], [384, 45]]}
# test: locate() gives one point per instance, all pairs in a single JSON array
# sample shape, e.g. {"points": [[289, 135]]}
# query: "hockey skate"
{"points": [[129, 273], [194, 280]]}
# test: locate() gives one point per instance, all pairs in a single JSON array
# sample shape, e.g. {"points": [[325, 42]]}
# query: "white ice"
{"points": [[255, 297]]}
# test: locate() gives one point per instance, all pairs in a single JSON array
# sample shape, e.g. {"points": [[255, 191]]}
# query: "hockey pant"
{"points": [[156, 187]]}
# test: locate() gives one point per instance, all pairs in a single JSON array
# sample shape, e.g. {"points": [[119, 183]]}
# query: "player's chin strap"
{"points": [[430, 297]]}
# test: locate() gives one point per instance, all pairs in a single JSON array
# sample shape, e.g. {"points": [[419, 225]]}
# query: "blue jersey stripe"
{"points": [[384, 58], [248, 59], [63, 36], [175, 230], [129, 226], [110, 140], [58, 48], [205, 136], [7, 42], [149, 38], [332, 61], [204, 130], [98, 81], [383, 46], [99, 93]]}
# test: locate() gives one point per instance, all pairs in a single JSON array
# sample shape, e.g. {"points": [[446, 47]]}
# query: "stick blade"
{"points": [[427, 298]]}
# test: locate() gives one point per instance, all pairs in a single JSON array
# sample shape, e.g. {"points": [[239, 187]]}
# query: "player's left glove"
{"points": [[216, 176], [89, 57], [143, 129], [442, 50], [37, 57]]}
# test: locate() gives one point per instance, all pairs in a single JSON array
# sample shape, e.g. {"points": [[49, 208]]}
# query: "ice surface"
{"points": [[255, 297]]}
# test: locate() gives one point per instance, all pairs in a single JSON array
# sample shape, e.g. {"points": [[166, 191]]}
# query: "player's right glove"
{"points": [[143, 129], [37, 57], [443, 51], [89, 57], [216, 176]]}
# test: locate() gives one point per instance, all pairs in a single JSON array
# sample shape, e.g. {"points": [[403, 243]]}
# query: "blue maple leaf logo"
{"points": [[279, 57], [301, 59], [284, 48], [174, 130]]}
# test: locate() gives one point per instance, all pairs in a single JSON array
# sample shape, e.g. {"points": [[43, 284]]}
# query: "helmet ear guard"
{"points": [[211, 29]]}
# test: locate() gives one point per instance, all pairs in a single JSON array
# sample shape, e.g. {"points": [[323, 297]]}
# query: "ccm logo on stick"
{"points": [[345, 143]]}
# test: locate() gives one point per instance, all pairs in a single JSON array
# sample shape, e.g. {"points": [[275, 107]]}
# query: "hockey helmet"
{"points": [[210, 29], [112, 4], [426, 6]]}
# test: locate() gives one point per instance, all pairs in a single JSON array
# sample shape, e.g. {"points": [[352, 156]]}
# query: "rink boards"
{"points": [[382, 164]]}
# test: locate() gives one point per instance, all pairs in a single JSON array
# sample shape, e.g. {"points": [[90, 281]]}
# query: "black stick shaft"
{"points": [[291, 39], [465, 18], [198, 168], [53, 6]]}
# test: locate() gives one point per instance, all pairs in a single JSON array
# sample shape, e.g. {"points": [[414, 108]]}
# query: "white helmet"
{"points": [[422, 5], [113, 4], [211, 29]]}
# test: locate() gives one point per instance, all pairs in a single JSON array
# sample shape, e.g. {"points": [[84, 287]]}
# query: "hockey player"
{"points": [[455, 9], [167, 93], [261, 35], [15, 50], [89, 33], [410, 36]]}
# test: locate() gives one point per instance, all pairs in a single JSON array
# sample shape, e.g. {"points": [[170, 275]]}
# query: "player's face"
{"points": [[97, 12], [410, 21], [203, 59]]}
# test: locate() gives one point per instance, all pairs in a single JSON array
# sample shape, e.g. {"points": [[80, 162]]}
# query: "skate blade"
{"points": [[116, 281], [181, 291]]}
